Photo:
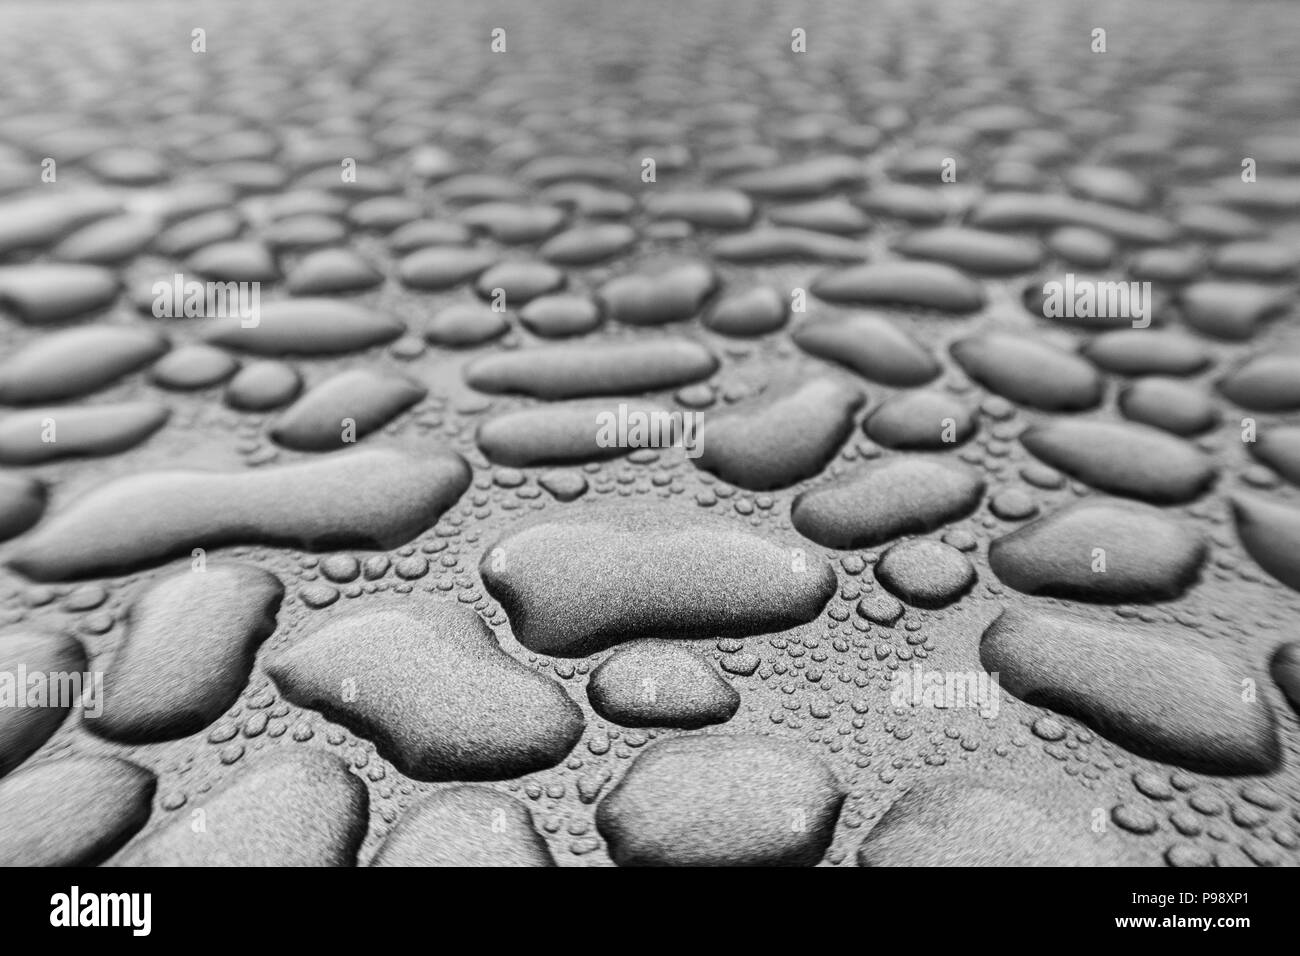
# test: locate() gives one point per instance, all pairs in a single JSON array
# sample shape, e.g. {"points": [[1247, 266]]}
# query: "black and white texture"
{"points": [[643, 434]]}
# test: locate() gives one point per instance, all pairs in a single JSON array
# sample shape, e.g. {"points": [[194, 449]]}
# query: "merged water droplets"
{"points": [[900, 496], [605, 575], [307, 326], [958, 821], [1029, 371], [922, 284], [188, 652], [465, 826], [721, 801], [1100, 550], [779, 439], [870, 345], [42, 657], [367, 498], [1155, 692], [345, 409], [37, 435], [75, 362], [871, 432], [77, 811], [296, 807], [477, 714], [1132, 460], [658, 684], [573, 371]]}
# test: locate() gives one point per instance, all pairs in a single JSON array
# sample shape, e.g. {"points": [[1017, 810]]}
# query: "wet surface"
{"points": [[936, 576]]}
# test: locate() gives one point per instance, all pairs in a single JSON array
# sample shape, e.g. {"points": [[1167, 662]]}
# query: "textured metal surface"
{"points": [[365, 583]]}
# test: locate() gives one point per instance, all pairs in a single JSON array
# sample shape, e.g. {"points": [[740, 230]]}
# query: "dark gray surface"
{"points": [[1138, 720]]}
